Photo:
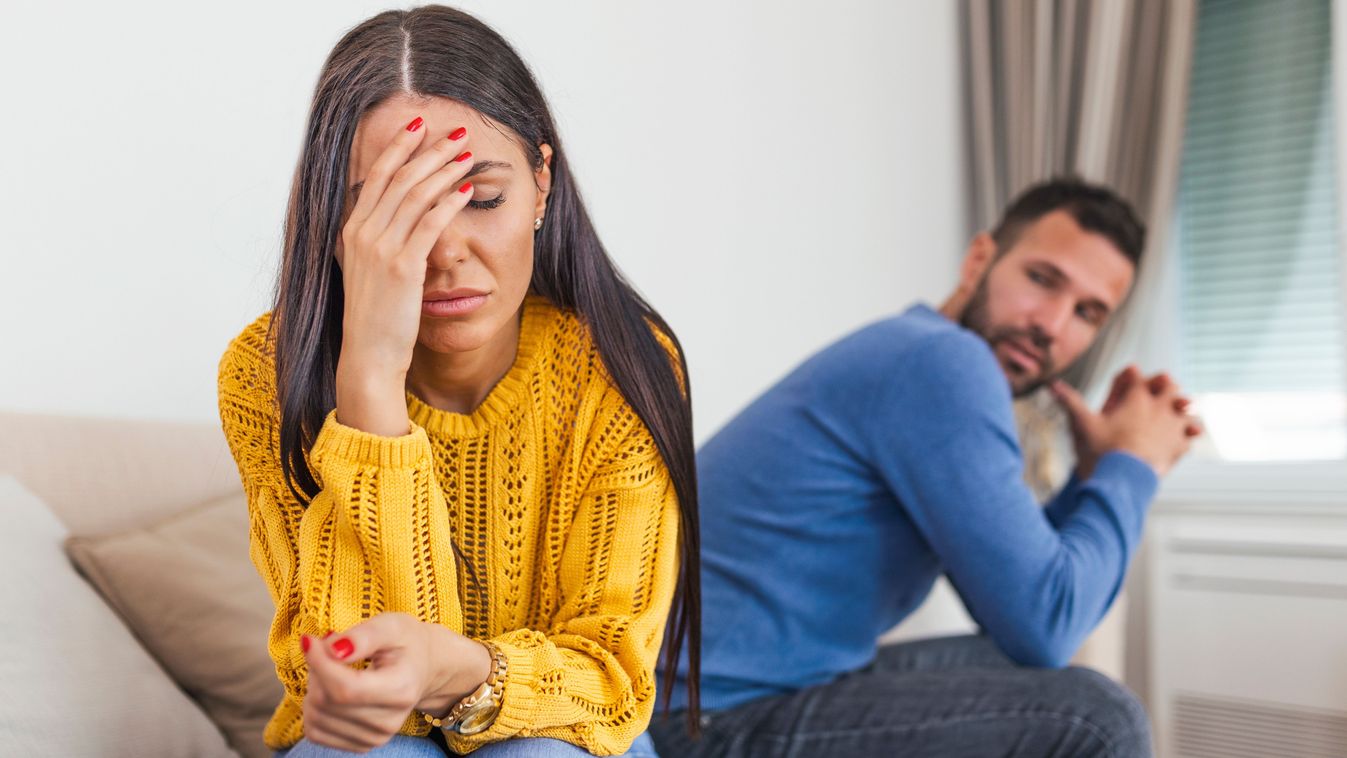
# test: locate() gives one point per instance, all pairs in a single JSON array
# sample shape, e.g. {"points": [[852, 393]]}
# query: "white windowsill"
{"points": [[1309, 487]]}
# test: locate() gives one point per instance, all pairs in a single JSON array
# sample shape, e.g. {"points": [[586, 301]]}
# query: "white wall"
{"points": [[771, 176]]}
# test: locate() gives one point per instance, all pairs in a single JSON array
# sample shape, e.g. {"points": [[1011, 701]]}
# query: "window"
{"points": [[1263, 347]]}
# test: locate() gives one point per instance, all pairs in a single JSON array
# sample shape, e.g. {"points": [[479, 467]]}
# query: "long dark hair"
{"points": [[434, 51]]}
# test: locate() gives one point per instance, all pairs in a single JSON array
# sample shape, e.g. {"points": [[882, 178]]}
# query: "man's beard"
{"points": [[977, 319]]}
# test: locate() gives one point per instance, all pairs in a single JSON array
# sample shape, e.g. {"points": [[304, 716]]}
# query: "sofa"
{"points": [[136, 625]]}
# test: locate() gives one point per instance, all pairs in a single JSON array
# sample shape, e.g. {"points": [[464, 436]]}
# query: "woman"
{"points": [[465, 440]]}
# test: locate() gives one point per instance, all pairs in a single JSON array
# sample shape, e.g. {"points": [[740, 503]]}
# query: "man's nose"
{"points": [[1053, 315]]}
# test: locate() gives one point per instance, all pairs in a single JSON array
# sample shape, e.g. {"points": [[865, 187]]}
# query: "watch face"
{"points": [[478, 719]]}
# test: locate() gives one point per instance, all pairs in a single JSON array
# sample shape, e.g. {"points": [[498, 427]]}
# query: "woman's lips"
{"points": [[452, 305]]}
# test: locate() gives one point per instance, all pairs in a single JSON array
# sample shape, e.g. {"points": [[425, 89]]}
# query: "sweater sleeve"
{"points": [[943, 438], [374, 539], [589, 679], [1064, 503]]}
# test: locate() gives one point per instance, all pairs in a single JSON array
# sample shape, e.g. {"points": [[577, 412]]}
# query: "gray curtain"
{"points": [[1097, 89]]}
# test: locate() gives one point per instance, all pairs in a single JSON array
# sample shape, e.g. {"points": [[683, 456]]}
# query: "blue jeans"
{"points": [[402, 746], [956, 697]]}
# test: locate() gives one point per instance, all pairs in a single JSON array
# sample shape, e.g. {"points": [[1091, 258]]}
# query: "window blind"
{"points": [[1261, 280]]}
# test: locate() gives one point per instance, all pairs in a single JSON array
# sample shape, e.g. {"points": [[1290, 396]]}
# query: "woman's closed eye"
{"points": [[486, 205]]}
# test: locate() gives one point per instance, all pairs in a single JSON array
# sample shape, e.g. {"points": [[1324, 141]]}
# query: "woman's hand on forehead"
{"points": [[413, 191]]}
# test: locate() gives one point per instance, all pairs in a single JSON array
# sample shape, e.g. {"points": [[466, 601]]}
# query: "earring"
{"points": [[537, 224]]}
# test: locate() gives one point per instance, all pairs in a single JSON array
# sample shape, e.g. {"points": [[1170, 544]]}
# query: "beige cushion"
{"points": [[103, 475], [73, 681], [186, 588]]}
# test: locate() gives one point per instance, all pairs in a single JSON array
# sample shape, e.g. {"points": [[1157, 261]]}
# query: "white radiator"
{"points": [[1248, 633]]}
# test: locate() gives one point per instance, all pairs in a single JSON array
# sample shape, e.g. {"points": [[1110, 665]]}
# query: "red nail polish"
{"points": [[329, 634], [466, 188], [304, 642], [343, 648], [415, 124], [458, 133], [463, 157]]}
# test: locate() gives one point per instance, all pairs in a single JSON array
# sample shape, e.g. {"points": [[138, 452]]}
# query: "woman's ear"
{"points": [[542, 178]]}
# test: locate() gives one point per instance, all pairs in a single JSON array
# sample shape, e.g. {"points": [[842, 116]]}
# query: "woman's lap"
{"points": [[643, 747], [403, 746]]}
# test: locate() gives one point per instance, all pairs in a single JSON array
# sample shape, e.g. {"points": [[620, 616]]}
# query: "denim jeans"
{"points": [[955, 697], [402, 746]]}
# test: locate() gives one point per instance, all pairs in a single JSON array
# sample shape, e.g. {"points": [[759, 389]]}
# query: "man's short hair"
{"points": [[1097, 209]]}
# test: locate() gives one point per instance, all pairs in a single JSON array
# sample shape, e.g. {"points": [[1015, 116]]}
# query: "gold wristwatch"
{"points": [[476, 712]]}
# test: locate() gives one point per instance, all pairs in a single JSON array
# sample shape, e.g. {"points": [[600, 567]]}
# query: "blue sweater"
{"points": [[831, 504]]}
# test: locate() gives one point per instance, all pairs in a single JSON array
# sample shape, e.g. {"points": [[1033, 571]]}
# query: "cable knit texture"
{"points": [[552, 489]]}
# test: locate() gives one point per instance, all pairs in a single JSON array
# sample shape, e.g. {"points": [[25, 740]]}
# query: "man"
{"points": [[832, 503]]}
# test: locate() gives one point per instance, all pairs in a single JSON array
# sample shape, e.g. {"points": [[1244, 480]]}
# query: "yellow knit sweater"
{"points": [[552, 489]]}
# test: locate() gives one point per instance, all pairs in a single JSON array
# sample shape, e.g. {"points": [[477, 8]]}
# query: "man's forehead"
{"points": [[1090, 260]]}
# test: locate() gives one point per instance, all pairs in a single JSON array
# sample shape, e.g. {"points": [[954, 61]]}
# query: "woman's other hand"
{"points": [[402, 206], [413, 665]]}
